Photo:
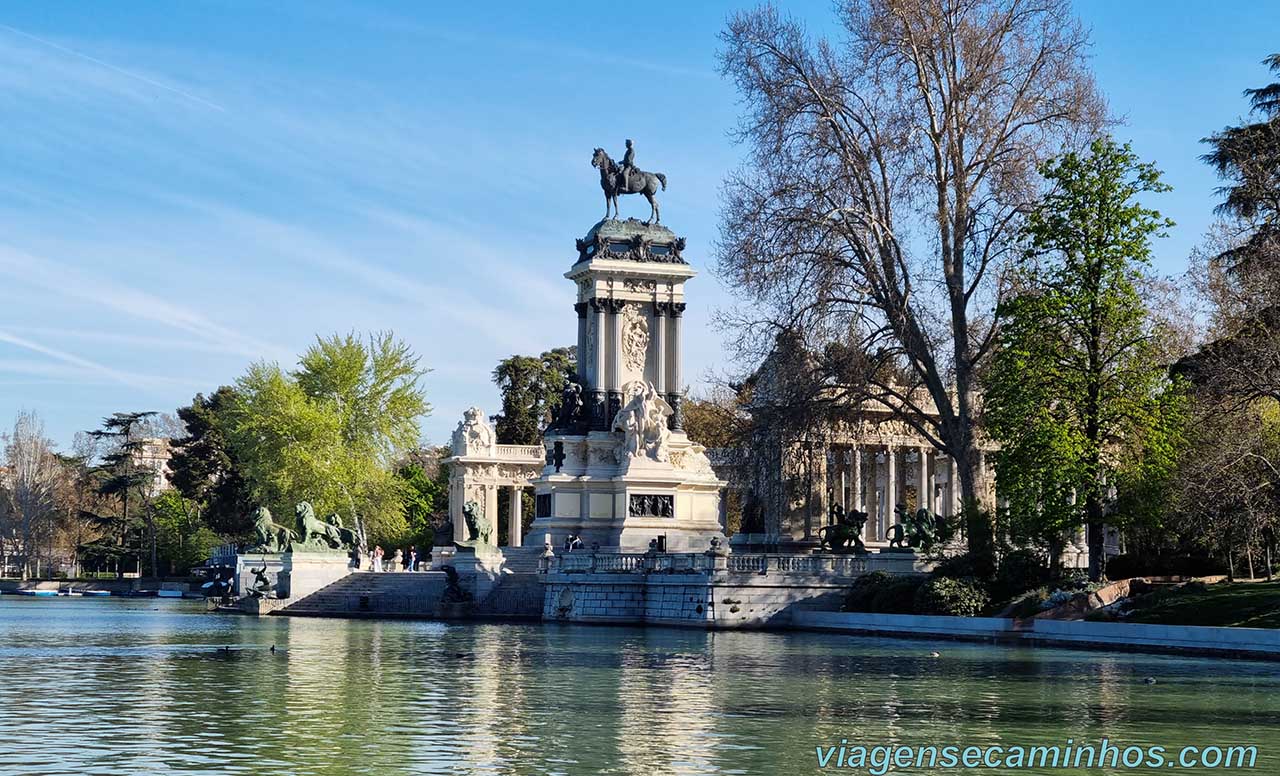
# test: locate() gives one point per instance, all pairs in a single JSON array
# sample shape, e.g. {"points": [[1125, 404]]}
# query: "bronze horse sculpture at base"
{"points": [[638, 182]]}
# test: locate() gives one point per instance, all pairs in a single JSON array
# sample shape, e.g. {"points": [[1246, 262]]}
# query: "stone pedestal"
{"points": [[247, 562], [479, 569], [304, 573], [622, 472]]}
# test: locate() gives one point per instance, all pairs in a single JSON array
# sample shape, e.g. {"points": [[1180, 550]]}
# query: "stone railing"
{"points": [[530, 453], [697, 562]]}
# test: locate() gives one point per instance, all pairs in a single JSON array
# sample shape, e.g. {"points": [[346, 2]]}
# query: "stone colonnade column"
{"points": [[581, 309], [660, 325], [673, 382], [615, 363], [599, 399], [515, 518], [857, 479], [890, 490], [924, 495]]}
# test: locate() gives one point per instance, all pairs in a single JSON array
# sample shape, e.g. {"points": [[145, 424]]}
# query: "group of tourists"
{"points": [[401, 560]]}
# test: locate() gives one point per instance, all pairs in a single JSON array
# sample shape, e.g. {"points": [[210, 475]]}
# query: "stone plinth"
{"points": [[306, 572], [248, 561], [479, 569]]}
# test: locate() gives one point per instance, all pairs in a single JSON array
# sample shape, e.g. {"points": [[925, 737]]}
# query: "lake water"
{"points": [[142, 686]]}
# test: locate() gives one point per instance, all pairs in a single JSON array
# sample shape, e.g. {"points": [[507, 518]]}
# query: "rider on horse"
{"points": [[628, 165]]}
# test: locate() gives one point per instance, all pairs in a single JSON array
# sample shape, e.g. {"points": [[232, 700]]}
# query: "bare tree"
{"points": [[30, 482], [885, 183]]}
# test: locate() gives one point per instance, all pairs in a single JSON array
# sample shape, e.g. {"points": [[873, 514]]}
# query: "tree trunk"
{"points": [[977, 521], [1096, 535]]}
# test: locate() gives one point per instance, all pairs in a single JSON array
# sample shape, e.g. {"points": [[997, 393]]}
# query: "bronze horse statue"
{"points": [[639, 182]]}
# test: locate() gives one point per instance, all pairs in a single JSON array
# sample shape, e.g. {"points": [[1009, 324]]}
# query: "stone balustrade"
{"points": [[533, 453], [580, 562]]}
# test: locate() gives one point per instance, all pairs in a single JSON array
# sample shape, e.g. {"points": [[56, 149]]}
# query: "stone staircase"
{"points": [[388, 594], [522, 560], [517, 594]]}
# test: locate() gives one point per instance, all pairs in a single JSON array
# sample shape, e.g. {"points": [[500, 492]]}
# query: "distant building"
{"points": [[154, 454]]}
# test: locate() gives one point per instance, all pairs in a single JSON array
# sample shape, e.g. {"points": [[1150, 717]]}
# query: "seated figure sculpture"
{"points": [[643, 421]]}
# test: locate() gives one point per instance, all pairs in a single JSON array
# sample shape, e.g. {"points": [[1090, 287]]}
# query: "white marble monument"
{"points": [[620, 470]]}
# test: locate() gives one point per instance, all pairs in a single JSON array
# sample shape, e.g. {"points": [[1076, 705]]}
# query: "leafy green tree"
{"points": [[331, 432], [203, 470], [123, 479], [531, 390], [1076, 386], [426, 495], [183, 538]]}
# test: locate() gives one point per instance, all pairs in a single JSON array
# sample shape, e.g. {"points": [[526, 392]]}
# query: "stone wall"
{"points": [[703, 599]]}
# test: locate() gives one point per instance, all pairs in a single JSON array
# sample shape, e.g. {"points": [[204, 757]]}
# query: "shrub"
{"points": [[957, 567], [1020, 571], [864, 589], [897, 596], [1030, 603], [965, 597]]}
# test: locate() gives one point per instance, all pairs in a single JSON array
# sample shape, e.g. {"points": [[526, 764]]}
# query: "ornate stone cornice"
{"points": [[635, 247]]}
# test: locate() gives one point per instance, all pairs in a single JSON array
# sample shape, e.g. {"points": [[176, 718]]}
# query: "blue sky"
{"points": [[189, 187]]}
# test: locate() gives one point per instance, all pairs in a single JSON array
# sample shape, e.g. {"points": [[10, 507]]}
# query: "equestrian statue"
{"points": [[626, 178]]}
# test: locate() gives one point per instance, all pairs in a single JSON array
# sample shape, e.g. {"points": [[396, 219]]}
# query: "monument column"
{"points": [[515, 517], [660, 324], [673, 385], [581, 309], [615, 362], [599, 401]]}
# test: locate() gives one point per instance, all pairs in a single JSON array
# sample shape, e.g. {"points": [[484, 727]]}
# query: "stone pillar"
{"points": [[953, 487], [599, 397], [515, 518], [615, 362], [933, 486], [581, 309], [674, 387], [858, 500], [490, 507], [924, 494], [457, 500], [890, 489], [660, 341]]}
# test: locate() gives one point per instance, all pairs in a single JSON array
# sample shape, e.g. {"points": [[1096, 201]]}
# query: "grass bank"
{"points": [[1241, 605]]}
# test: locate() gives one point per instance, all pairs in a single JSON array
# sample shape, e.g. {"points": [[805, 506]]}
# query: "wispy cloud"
{"points": [[122, 71], [86, 365], [61, 279]]}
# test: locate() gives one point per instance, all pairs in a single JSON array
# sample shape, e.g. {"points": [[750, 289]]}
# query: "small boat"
{"points": [[141, 594], [169, 593], [95, 593], [40, 593]]}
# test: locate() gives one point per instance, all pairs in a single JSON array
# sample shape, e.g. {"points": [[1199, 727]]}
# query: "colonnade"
{"points": [[874, 478]]}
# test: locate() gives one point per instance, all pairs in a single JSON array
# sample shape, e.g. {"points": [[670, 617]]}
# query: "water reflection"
{"points": [[141, 687]]}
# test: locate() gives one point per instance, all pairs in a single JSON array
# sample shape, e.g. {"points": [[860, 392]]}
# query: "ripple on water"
{"points": [[118, 687]]}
